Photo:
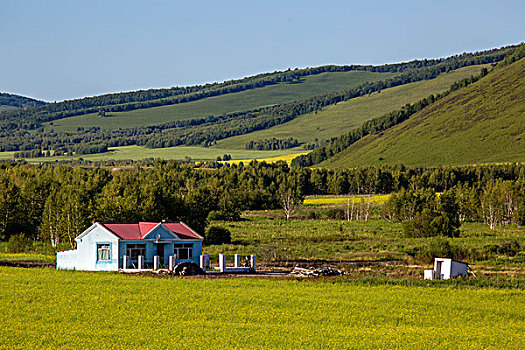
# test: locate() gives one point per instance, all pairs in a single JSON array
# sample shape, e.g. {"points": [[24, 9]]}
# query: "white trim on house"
{"points": [[165, 228], [92, 227], [189, 228]]}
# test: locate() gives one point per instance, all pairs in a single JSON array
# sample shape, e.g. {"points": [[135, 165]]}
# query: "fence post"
{"points": [[172, 263], [141, 262], [252, 263], [237, 260], [222, 262], [125, 262]]}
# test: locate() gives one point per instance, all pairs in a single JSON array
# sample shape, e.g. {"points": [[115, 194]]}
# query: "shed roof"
{"points": [[137, 231]]}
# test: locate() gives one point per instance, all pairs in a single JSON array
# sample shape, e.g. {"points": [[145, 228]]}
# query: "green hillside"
{"points": [[11, 102], [308, 86], [337, 119], [311, 104], [482, 123]]}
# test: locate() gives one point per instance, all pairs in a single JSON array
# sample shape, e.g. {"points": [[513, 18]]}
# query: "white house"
{"points": [[111, 246], [445, 269]]}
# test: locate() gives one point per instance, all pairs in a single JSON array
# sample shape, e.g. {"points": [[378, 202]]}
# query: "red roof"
{"points": [[141, 229]]}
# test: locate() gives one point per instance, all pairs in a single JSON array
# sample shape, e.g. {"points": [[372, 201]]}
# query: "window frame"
{"points": [[133, 246], [100, 245], [187, 247]]}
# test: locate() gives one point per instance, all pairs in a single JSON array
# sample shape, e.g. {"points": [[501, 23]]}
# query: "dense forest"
{"points": [[57, 202], [272, 144], [22, 131], [18, 101]]}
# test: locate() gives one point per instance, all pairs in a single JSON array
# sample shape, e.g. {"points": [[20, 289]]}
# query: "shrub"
{"points": [[441, 248], [18, 243], [430, 223], [217, 235], [334, 213], [230, 215], [508, 248], [312, 215]]}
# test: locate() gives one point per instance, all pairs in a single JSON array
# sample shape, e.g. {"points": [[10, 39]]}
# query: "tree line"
{"points": [[56, 202], [19, 101], [272, 144]]}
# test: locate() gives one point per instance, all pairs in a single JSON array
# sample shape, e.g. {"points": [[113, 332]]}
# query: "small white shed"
{"points": [[445, 269]]}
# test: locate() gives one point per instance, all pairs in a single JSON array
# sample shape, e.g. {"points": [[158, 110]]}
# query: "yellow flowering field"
{"points": [[319, 200], [285, 157], [49, 309]]}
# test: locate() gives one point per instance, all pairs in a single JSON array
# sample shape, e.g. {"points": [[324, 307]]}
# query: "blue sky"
{"points": [[55, 50]]}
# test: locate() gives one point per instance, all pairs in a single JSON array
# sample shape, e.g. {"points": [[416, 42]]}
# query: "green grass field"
{"points": [[275, 240], [269, 95], [337, 119], [178, 153], [483, 123], [49, 309]]}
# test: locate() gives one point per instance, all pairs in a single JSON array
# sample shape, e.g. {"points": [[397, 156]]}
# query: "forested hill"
{"points": [[127, 101], [10, 101], [203, 115], [483, 122]]}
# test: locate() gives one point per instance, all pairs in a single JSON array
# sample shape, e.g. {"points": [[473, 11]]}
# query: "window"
{"points": [[183, 250], [103, 252], [134, 250]]}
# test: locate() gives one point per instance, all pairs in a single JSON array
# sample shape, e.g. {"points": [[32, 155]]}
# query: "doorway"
{"points": [[438, 269], [160, 252]]}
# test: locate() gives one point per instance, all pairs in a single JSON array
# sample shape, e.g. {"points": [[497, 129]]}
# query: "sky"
{"points": [[56, 50]]}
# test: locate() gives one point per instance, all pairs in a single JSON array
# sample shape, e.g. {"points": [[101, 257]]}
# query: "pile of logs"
{"points": [[325, 271]]}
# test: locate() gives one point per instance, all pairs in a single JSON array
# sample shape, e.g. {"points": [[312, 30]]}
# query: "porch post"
{"points": [[125, 262], [156, 264]]}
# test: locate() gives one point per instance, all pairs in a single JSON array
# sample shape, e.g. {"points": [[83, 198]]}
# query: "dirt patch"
{"points": [[26, 264]]}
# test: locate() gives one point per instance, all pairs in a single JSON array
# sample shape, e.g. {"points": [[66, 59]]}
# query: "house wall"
{"points": [[67, 260], [151, 250], [445, 268], [87, 251], [458, 269]]}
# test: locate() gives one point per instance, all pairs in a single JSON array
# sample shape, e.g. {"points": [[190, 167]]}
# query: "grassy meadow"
{"points": [[45, 308], [277, 241], [482, 123], [177, 153], [309, 86], [335, 120]]}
